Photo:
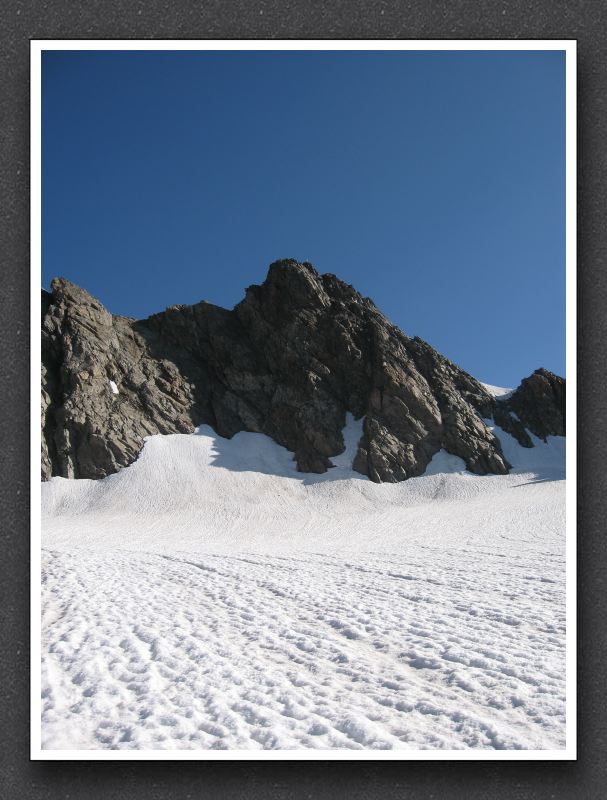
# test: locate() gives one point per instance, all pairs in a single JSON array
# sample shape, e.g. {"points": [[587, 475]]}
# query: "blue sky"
{"points": [[433, 182]]}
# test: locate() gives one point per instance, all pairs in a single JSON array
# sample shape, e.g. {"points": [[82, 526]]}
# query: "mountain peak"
{"points": [[298, 353]]}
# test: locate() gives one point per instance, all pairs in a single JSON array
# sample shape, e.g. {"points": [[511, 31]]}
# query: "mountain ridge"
{"points": [[298, 353]]}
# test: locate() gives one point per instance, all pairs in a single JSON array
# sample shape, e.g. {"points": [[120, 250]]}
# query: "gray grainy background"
{"points": [[25, 19]]}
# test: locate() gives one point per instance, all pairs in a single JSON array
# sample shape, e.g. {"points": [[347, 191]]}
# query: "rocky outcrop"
{"points": [[290, 360], [537, 406]]}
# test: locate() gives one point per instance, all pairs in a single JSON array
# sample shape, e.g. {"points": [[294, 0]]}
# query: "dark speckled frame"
{"points": [[408, 19]]}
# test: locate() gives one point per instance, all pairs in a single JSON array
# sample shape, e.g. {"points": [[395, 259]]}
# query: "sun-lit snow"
{"points": [[210, 596], [114, 388], [498, 391]]}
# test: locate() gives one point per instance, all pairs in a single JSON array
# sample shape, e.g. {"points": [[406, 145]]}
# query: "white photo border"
{"points": [[569, 46]]}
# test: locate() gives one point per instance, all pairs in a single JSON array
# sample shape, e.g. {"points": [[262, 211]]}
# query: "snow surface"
{"points": [[498, 391], [114, 388], [210, 596]]}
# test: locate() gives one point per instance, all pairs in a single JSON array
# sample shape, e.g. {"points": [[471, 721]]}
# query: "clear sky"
{"points": [[433, 182]]}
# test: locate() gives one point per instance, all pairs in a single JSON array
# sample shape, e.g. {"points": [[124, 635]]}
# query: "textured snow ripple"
{"points": [[313, 651]]}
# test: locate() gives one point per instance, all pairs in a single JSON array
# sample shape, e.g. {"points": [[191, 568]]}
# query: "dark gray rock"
{"points": [[538, 405], [290, 360]]}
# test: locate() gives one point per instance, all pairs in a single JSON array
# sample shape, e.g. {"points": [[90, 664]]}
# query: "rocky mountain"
{"points": [[289, 361]]}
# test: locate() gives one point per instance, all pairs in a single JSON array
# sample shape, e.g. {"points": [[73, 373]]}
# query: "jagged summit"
{"points": [[290, 360]]}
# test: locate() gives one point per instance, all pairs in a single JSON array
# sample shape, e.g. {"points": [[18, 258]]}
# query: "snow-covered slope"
{"points": [[211, 596], [498, 391]]}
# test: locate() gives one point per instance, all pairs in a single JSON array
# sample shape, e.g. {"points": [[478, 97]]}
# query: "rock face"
{"points": [[537, 405], [290, 360]]}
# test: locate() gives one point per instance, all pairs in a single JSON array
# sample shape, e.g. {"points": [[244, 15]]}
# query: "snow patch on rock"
{"points": [[498, 392]]}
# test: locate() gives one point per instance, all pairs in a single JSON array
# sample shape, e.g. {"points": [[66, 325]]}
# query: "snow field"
{"points": [[211, 597]]}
